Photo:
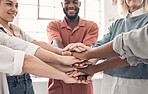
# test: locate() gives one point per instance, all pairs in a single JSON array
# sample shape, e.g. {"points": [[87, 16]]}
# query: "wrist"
{"points": [[60, 59], [63, 76], [60, 51]]}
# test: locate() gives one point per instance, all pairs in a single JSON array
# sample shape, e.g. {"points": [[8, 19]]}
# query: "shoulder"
{"points": [[89, 24], [55, 23], [118, 22]]}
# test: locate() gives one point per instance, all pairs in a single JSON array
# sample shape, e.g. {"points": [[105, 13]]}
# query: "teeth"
{"points": [[12, 15], [71, 10]]}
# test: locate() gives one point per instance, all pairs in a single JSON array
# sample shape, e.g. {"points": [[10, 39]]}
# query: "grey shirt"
{"points": [[133, 45]]}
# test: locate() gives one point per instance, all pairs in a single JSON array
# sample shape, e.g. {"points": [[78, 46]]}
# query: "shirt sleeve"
{"points": [[91, 36], [53, 32], [106, 37], [11, 61], [133, 45], [27, 37], [17, 44]]}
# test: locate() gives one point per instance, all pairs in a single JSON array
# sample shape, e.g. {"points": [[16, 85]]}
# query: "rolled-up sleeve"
{"points": [[53, 32], [17, 44], [133, 45], [11, 61]]}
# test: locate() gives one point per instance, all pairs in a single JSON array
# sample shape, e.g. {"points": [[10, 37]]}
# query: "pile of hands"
{"points": [[82, 71]]}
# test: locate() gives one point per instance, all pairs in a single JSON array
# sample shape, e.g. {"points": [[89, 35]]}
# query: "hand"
{"points": [[69, 60], [78, 47], [68, 79], [80, 77], [83, 64], [66, 68], [81, 55], [90, 70], [66, 53]]}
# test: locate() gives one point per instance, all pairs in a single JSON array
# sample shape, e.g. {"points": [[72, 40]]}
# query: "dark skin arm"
{"points": [[109, 64], [103, 51]]}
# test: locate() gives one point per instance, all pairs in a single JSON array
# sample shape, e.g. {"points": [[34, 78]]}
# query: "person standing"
{"points": [[129, 79], [22, 83], [71, 29]]}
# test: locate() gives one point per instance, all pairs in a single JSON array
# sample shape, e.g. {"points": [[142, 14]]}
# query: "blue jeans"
{"points": [[21, 84]]}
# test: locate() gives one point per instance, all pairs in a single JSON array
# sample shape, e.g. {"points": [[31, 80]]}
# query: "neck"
{"points": [[72, 23], [72, 20], [4, 23], [132, 9]]}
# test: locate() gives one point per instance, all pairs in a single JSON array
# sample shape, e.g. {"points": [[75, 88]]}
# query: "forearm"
{"points": [[61, 67], [48, 47], [94, 60], [103, 51], [47, 56], [133, 43], [35, 66], [112, 63]]}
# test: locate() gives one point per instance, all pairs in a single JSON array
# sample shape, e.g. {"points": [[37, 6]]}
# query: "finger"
{"points": [[84, 82], [77, 74], [77, 65], [82, 49], [67, 47], [66, 53], [79, 60], [80, 77], [72, 73], [76, 49], [89, 78]]}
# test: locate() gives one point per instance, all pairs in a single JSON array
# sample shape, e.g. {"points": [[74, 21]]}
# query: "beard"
{"points": [[71, 17]]}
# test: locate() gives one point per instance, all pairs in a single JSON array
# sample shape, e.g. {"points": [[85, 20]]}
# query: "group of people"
{"points": [[69, 59]]}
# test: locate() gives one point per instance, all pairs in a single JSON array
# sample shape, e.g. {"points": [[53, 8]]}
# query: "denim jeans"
{"points": [[21, 84]]}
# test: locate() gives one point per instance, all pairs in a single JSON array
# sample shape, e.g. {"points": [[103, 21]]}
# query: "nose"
{"points": [[71, 4], [14, 9]]}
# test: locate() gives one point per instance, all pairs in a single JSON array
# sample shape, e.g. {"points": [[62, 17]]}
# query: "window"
{"points": [[52, 9], [34, 15]]}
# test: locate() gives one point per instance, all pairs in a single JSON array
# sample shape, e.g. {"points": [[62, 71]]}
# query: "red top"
{"points": [[85, 32]]}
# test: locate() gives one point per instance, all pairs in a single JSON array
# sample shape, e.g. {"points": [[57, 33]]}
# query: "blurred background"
{"points": [[34, 15]]}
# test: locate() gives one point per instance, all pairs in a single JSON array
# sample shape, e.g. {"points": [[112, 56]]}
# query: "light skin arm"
{"points": [[48, 47], [61, 67], [48, 56], [39, 68]]}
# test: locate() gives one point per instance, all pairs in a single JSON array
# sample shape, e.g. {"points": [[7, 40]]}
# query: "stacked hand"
{"points": [[85, 69]]}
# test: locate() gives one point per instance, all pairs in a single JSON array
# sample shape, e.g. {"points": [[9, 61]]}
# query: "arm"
{"points": [[133, 43], [55, 39], [39, 68], [109, 64], [29, 48], [11, 61], [48, 47], [63, 68], [99, 52]]}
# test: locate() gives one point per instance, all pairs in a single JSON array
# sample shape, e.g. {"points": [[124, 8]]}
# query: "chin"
{"points": [[10, 20]]}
